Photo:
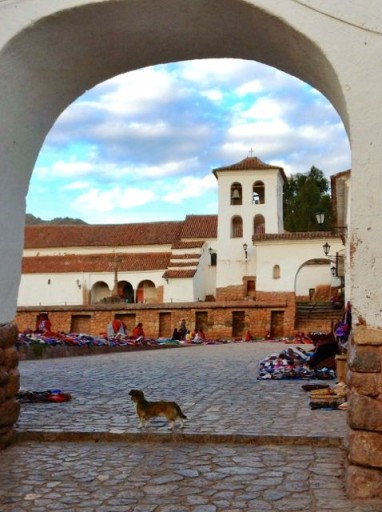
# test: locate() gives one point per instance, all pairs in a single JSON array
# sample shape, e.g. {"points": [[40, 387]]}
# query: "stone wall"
{"points": [[229, 293], [219, 316], [9, 383], [364, 471]]}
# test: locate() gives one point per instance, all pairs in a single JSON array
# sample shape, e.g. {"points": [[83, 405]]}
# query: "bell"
{"points": [[235, 194]]}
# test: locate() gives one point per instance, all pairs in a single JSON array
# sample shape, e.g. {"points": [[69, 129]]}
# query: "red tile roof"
{"points": [[192, 256], [200, 226], [95, 263], [197, 244], [179, 274], [250, 163], [101, 235]]}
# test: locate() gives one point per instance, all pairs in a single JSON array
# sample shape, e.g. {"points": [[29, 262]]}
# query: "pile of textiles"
{"points": [[80, 340], [291, 363], [50, 395]]}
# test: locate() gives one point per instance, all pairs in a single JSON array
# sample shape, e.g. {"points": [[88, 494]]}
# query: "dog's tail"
{"points": [[180, 413]]}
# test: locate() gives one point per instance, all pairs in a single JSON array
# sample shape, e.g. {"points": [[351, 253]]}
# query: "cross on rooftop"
{"points": [[251, 152]]}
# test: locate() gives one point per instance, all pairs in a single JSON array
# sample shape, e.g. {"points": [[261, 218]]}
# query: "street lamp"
{"points": [[326, 248], [245, 247], [320, 217]]}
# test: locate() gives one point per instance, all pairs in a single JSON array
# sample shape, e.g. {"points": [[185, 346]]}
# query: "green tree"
{"points": [[305, 195]]}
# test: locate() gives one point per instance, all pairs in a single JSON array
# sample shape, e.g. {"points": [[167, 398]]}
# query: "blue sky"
{"points": [[141, 147]]}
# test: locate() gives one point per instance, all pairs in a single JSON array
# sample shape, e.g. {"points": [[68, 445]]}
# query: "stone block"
{"points": [[363, 483], [6, 436], [9, 335], [4, 376], [368, 384], [365, 448], [13, 385], [364, 359], [11, 357], [9, 412], [363, 335], [365, 413]]}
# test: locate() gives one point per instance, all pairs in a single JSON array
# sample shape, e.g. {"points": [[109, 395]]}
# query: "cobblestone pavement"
{"points": [[259, 448]]}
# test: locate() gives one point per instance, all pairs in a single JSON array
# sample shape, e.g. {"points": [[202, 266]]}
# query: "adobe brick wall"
{"points": [[9, 383], [257, 316], [230, 293], [364, 378]]}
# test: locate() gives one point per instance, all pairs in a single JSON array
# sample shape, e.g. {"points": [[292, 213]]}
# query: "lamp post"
{"points": [[326, 248], [320, 217], [245, 247]]}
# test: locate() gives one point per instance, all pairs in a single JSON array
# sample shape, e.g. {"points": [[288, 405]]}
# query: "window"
{"points": [[258, 193], [276, 272], [259, 225], [237, 227], [236, 194]]}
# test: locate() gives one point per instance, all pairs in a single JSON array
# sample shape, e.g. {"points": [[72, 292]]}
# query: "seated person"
{"points": [[325, 350], [115, 328], [138, 330], [43, 324], [249, 337]]}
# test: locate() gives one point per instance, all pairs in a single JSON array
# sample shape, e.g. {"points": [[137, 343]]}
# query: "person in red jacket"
{"points": [[43, 324], [138, 330]]}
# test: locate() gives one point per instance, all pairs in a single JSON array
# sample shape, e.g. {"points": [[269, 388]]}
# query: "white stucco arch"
{"points": [[51, 52]]}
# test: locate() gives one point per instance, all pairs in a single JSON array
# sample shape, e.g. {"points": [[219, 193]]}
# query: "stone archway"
{"points": [[51, 52], [100, 290]]}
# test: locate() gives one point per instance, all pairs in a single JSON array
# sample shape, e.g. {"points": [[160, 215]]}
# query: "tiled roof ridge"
{"points": [[297, 235], [250, 163], [194, 244], [193, 256], [179, 274]]}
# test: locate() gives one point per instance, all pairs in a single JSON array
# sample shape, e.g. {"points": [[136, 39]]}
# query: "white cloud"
{"points": [[108, 200], [213, 94], [190, 187], [151, 136]]}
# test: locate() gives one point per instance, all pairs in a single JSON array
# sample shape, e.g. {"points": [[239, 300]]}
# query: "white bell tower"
{"points": [[250, 203]]}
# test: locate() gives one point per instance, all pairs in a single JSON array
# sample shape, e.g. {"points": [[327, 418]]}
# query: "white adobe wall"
{"points": [[290, 257], [310, 276], [179, 290], [36, 290]]}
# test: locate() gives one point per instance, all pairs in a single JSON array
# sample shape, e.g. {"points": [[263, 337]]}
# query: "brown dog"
{"points": [[147, 410]]}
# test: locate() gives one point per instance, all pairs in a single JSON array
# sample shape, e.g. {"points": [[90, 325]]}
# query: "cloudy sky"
{"points": [[141, 146]]}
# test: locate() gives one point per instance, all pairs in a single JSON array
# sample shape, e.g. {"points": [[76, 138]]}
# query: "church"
{"points": [[226, 273]]}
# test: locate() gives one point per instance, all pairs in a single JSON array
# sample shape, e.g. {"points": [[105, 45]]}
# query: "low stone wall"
{"points": [[364, 471], [41, 351], [9, 383], [93, 319]]}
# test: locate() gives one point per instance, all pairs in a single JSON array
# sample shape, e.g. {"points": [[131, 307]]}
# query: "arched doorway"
{"points": [[54, 49], [65, 69], [99, 291], [126, 291], [147, 292]]}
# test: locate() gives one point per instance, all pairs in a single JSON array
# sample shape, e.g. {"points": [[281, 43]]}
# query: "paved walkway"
{"points": [[247, 444]]}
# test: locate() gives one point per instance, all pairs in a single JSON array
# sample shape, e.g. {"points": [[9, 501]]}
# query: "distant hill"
{"points": [[31, 220]]}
